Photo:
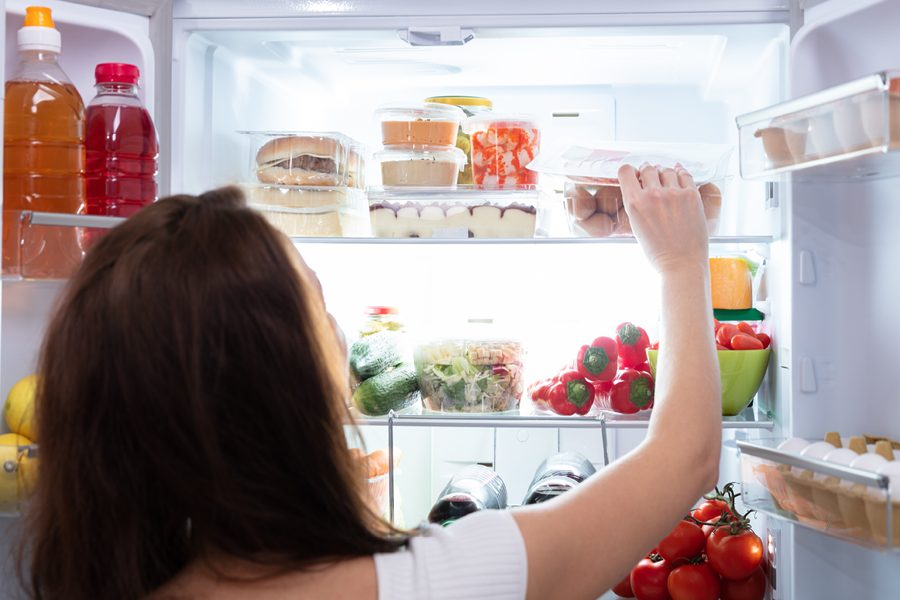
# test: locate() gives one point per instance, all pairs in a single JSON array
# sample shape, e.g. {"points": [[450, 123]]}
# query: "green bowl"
{"points": [[742, 372]]}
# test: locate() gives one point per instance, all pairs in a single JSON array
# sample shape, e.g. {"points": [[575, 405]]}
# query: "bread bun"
{"points": [[293, 198], [305, 160]]}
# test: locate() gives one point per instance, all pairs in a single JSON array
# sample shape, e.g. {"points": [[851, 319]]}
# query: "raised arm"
{"points": [[582, 543]]}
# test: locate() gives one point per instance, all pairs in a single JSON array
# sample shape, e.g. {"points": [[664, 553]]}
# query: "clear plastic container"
{"points": [[846, 492], [43, 152], [121, 143], [597, 209], [465, 212], [307, 158], [420, 165], [471, 106], [419, 123], [312, 212], [600, 164], [850, 127], [479, 372], [502, 147]]}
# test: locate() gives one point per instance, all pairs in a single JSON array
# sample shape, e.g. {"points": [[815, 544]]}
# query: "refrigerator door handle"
{"points": [[436, 36]]}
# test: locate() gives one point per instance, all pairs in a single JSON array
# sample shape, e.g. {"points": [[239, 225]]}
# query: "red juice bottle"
{"points": [[121, 145]]}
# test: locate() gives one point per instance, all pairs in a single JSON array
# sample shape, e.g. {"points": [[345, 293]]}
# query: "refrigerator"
{"points": [[676, 71]]}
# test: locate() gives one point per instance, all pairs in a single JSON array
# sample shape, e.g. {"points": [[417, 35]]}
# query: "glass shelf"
{"points": [[742, 240], [748, 419], [839, 501], [845, 132]]}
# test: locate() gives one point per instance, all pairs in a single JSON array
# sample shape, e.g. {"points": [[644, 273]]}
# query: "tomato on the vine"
{"points": [[687, 540], [752, 588], [694, 582], [711, 511], [648, 580], [734, 555], [623, 588]]}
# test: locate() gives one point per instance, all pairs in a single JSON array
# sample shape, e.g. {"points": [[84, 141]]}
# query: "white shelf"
{"points": [[742, 240], [746, 420]]}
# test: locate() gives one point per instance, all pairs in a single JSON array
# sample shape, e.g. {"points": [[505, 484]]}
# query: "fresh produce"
{"points": [[18, 472], [631, 344], [501, 149], [18, 412], [739, 337], [598, 361], [472, 376], [683, 543], [572, 394], [752, 588], [712, 554], [631, 392], [394, 389], [374, 354], [623, 588], [648, 579], [731, 282], [694, 582], [734, 551]]}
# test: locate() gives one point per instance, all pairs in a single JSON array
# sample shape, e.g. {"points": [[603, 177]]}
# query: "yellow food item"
{"points": [[17, 472], [19, 409], [731, 283]]}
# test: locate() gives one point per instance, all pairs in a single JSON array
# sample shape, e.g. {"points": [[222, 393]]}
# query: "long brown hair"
{"points": [[192, 398]]}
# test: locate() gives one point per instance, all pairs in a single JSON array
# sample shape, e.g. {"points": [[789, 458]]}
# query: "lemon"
{"points": [[17, 471], [19, 410]]}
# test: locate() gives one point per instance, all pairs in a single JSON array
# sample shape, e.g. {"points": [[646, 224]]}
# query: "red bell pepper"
{"points": [[597, 362], [571, 395], [631, 391], [601, 393], [631, 343], [539, 394]]}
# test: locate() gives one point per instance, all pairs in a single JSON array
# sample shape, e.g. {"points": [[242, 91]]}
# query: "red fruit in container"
{"points": [[765, 339], [631, 392], [598, 360], [742, 341], [725, 333]]}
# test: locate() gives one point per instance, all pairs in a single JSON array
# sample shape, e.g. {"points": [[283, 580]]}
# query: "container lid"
{"points": [[419, 111], [432, 153], [39, 32], [117, 73], [600, 164], [492, 119], [462, 101]]}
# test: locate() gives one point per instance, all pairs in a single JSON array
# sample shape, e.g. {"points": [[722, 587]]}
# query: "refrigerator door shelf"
{"points": [[852, 504], [850, 131]]}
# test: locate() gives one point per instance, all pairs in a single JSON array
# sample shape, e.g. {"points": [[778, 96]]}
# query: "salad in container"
{"points": [[472, 374]]}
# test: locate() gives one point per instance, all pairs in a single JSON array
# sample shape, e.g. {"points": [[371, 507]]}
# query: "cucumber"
{"points": [[374, 354], [394, 389]]}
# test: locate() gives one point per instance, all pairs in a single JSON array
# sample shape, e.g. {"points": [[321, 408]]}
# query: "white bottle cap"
{"points": [[39, 38]]}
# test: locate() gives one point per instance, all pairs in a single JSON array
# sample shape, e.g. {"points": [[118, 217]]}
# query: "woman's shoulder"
{"points": [[479, 556]]}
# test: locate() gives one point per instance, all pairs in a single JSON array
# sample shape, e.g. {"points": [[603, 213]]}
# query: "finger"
{"points": [[649, 177], [668, 177], [628, 180], [685, 179]]}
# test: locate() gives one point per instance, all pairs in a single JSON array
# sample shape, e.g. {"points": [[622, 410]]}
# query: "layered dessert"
{"points": [[449, 220]]}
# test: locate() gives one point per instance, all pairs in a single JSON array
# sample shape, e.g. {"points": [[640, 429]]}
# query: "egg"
{"points": [[816, 450], [793, 445], [866, 462], [841, 456]]}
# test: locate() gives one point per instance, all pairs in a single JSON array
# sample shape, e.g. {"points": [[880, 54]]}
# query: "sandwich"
{"points": [[307, 160]]}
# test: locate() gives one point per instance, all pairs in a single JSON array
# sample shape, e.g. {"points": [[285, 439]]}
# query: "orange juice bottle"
{"points": [[43, 154]]}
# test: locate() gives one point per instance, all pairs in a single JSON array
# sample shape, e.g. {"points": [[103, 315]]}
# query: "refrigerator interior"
{"points": [[654, 83]]}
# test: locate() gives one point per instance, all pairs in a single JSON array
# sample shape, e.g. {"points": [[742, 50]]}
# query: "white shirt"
{"points": [[479, 556]]}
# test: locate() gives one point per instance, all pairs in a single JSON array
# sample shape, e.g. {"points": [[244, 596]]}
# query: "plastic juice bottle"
{"points": [[43, 154], [121, 144]]}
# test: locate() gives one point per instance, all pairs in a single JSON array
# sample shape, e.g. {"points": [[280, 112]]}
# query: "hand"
{"points": [[666, 215]]}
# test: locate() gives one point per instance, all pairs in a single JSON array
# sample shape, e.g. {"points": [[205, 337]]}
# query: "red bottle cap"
{"points": [[381, 310], [117, 73]]}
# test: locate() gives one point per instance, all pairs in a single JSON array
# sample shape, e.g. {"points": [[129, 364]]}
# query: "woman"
{"points": [[191, 420]]}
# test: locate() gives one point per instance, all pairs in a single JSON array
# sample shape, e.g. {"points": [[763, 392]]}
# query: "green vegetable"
{"points": [[374, 354], [394, 389]]}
